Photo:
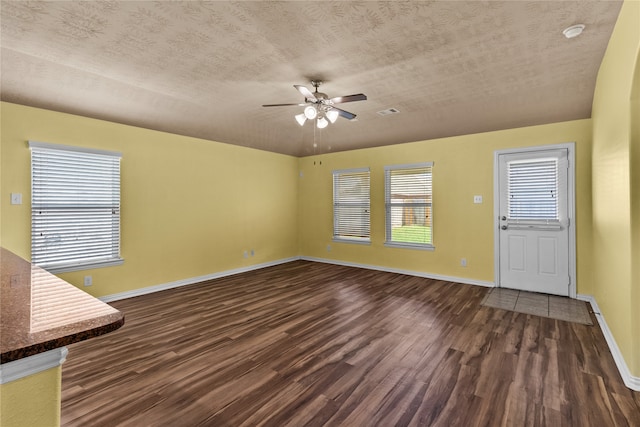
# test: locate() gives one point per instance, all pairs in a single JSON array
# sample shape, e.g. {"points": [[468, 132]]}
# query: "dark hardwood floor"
{"points": [[311, 344]]}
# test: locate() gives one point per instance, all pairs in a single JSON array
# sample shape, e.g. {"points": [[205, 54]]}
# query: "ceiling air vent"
{"points": [[388, 111]]}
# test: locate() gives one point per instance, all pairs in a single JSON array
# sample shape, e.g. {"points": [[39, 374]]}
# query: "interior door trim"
{"points": [[571, 208]]}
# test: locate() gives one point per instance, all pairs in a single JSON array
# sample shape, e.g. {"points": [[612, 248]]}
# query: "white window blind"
{"points": [[409, 205], [533, 189], [75, 207], [351, 205]]}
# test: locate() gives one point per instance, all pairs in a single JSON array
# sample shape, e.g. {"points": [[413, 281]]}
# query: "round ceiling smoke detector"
{"points": [[573, 31]]}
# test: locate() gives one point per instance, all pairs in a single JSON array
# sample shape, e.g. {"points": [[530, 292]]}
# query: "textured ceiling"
{"points": [[204, 69]]}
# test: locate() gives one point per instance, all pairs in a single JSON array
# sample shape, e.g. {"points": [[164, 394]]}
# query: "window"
{"points": [[75, 207], [533, 189], [408, 205], [351, 205]]}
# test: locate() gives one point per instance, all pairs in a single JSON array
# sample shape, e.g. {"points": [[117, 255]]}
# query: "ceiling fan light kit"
{"points": [[332, 115], [310, 112], [322, 123], [301, 118], [321, 107]]}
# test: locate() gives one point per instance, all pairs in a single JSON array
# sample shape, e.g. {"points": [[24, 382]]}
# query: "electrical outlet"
{"points": [[477, 199], [88, 280], [253, 252], [328, 248], [463, 262], [245, 254]]}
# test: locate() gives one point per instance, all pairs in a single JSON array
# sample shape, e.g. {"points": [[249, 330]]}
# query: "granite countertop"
{"points": [[41, 312]]}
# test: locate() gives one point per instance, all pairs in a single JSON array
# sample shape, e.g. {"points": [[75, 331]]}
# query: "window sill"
{"points": [[425, 247], [355, 240], [80, 267]]}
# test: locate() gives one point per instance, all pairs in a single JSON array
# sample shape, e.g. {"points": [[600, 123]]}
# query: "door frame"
{"points": [[571, 208]]}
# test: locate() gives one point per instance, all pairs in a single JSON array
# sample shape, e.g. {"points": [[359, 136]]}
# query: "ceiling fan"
{"points": [[320, 106]]}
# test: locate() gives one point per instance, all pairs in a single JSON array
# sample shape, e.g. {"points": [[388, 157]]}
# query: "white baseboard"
{"points": [[192, 280], [12, 371], [400, 271], [629, 380]]}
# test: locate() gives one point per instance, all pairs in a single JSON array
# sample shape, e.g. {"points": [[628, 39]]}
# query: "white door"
{"points": [[533, 223]]}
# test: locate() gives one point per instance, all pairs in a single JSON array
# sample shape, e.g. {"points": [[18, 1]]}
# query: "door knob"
{"points": [[504, 227]]}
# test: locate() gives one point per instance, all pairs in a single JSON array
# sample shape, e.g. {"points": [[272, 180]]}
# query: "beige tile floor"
{"points": [[555, 307]]}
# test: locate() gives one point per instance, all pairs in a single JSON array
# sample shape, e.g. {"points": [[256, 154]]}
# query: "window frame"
{"points": [[54, 162], [388, 206], [341, 238]]}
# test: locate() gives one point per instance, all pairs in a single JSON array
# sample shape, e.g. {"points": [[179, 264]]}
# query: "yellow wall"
{"points": [[190, 207], [32, 401], [613, 191], [463, 167], [635, 211]]}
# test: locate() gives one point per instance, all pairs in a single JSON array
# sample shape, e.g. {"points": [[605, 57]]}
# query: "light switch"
{"points": [[16, 198], [477, 199]]}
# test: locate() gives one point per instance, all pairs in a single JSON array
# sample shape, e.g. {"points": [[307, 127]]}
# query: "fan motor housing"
{"points": [[321, 96]]}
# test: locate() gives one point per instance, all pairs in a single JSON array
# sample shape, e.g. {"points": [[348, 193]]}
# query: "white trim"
{"points": [[87, 266], [192, 280], [418, 246], [571, 208], [352, 170], [356, 240], [401, 271], [409, 166], [12, 371], [50, 146], [388, 205], [629, 380], [363, 203]]}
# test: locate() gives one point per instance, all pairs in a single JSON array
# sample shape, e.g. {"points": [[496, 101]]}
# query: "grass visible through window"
{"points": [[411, 234]]}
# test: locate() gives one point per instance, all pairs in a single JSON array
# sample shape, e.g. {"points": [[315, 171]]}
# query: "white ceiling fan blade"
{"points": [[349, 98], [347, 115], [306, 93], [281, 105]]}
